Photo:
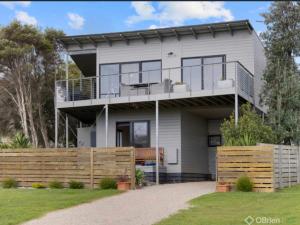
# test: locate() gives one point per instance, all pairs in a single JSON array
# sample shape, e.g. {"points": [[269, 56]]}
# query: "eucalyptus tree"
{"points": [[29, 61], [281, 90]]}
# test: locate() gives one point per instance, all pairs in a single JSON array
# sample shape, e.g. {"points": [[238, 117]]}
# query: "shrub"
{"points": [[244, 184], [108, 183], [249, 131], [9, 183], [3, 145], [38, 185], [139, 177], [20, 141], [76, 184], [55, 185]]}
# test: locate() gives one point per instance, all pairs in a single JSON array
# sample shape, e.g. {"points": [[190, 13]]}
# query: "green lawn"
{"points": [[232, 208], [19, 205]]}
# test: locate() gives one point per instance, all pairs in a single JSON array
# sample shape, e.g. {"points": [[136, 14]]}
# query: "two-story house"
{"points": [[166, 88]]}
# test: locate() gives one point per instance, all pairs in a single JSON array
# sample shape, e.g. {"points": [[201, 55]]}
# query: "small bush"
{"points": [[76, 184], [56, 185], [20, 141], [38, 185], [108, 183], [9, 183], [244, 184], [3, 145], [139, 177]]}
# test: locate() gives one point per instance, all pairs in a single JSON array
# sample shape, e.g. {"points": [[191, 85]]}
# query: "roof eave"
{"points": [[144, 35]]}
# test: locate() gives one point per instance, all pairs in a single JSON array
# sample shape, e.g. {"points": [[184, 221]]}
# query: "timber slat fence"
{"points": [[269, 166], [87, 165]]}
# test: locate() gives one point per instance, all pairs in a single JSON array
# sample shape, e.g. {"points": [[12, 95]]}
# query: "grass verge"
{"points": [[283, 207], [20, 205]]}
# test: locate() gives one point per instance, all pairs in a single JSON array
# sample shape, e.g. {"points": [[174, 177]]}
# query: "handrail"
{"points": [[162, 69], [238, 62], [113, 85]]}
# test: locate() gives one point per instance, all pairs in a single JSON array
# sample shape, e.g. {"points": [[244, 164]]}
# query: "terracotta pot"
{"points": [[223, 187], [123, 186]]}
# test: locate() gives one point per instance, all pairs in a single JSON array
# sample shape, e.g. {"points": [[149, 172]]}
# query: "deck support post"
{"points": [[56, 126], [106, 125], [67, 131], [236, 98], [67, 88], [157, 140]]}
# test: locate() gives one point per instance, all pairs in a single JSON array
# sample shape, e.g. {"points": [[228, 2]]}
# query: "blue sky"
{"points": [[98, 17]]}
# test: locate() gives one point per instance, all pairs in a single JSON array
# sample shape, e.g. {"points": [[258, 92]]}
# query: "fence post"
{"points": [[91, 168], [216, 164], [132, 160], [280, 165], [274, 181], [289, 152], [298, 165]]}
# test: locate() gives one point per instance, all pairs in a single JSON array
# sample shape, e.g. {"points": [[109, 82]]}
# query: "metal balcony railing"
{"points": [[194, 78]]}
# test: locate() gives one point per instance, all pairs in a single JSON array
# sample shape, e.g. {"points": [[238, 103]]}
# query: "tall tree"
{"points": [[29, 61], [281, 91]]}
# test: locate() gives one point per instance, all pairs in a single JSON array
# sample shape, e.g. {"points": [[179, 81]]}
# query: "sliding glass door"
{"points": [[202, 73], [133, 133], [212, 72], [192, 73], [130, 73], [109, 80]]}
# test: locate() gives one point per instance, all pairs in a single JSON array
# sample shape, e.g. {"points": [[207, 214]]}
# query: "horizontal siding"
{"points": [[135, 51], [169, 131], [259, 67], [237, 47]]}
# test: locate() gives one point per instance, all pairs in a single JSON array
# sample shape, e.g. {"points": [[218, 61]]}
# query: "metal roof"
{"points": [[161, 33]]}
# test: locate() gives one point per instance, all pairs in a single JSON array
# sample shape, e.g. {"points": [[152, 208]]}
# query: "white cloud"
{"points": [[75, 21], [12, 5], [154, 26], [24, 18], [176, 13]]}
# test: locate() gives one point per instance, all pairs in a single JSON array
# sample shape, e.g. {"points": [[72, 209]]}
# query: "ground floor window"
{"points": [[133, 133]]}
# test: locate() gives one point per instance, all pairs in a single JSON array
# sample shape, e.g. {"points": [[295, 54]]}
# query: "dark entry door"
{"points": [[123, 134]]}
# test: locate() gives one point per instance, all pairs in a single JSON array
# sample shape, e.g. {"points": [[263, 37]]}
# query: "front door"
{"points": [[123, 134]]}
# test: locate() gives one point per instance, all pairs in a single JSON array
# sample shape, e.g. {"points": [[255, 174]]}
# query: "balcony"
{"points": [[180, 82]]}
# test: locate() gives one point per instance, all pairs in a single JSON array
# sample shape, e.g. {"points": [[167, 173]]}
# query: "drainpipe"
{"points": [[157, 140]]}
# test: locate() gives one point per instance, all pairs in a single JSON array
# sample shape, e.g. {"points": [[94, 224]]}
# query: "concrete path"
{"points": [[139, 207]]}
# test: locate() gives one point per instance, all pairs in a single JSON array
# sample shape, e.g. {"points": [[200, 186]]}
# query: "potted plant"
{"points": [[123, 182], [139, 178], [222, 186]]}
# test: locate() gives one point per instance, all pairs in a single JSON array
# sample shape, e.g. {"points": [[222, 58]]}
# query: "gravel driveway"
{"points": [[139, 207]]}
